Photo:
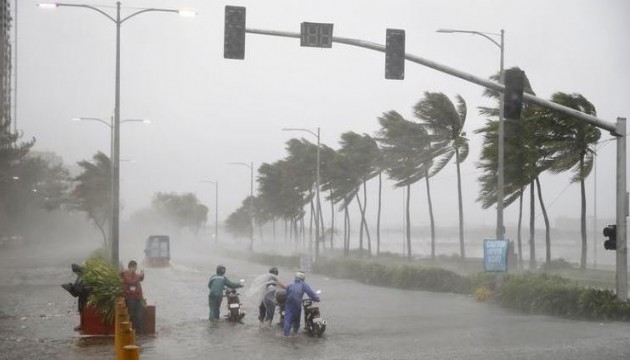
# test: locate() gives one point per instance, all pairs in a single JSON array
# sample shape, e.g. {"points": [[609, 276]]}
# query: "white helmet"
{"points": [[300, 275]]}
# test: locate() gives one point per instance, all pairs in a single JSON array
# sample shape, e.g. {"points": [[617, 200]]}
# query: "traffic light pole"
{"points": [[622, 213], [618, 130]]}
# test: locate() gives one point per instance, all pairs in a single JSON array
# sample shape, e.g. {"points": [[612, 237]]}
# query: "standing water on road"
{"points": [[364, 322]]}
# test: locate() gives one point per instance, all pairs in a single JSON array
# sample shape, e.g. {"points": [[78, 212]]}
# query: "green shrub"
{"points": [[557, 265], [540, 293], [105, 284]]}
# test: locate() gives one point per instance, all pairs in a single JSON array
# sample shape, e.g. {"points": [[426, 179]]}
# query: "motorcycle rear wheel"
{"points": [[234, 315]]}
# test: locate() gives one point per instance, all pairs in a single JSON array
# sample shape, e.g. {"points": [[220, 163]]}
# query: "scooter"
{"points": [[235, 312], [314, 324]]}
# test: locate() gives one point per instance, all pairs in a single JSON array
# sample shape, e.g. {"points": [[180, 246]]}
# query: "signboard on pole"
{"points": [[495, 255], [305, 263]]}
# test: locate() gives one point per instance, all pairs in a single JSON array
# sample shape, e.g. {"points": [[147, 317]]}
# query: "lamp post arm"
{"points": [[89, 7], [299, 129], [147, 10], [240, 163], [486, 35], [93, 119]]}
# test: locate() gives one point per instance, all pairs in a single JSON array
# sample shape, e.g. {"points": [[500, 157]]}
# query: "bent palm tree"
{"points": [[572, 143], [445, 124], [406, 148]]}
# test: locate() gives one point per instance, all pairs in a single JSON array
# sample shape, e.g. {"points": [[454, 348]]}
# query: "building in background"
{"points": [[5, 65]]}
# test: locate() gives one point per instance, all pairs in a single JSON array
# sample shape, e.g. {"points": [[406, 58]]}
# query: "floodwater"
{"points": [[364, 322]]}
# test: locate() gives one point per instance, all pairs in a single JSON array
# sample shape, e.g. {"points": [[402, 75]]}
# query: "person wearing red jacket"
{"points": [[133, 295]]}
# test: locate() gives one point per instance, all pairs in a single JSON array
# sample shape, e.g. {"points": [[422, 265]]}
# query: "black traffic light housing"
{"points": [[610, 232], [395, 54], [234, 35], [513, 97]]}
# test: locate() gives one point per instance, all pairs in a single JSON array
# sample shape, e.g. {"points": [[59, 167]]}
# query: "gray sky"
{"points": [[208, 111]]}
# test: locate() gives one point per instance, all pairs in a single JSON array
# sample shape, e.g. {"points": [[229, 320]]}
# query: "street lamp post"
{"points": [[216, 208], [317, 203], [115, 225], [251, 200], [500, 231]]}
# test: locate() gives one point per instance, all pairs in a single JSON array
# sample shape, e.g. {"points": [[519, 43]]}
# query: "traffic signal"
{"points": [[610, 232], [513, 97], [316, 34], [234, 35], [395, 54]]}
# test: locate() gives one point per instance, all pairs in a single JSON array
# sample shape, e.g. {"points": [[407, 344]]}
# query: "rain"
{"points": [[314, 155]]}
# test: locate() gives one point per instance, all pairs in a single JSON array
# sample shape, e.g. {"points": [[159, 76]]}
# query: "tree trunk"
{"points": [[532, 221], [583, 218], [546, 218], [346, 229], [322, 231], [408, 225], [360, 224], [332, 219], [461, 206], [364, 224], [310, 228], [378, 216], [518, 234], [432, 220]]}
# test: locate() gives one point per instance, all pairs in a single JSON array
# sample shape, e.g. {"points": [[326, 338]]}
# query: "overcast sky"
{"points": [[207, 111]]}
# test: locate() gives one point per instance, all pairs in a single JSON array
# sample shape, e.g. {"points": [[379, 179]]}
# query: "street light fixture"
{"points": [[111, 146], [216, 208], [500, 232], [115, 226], [251, 200], [318, 206]]}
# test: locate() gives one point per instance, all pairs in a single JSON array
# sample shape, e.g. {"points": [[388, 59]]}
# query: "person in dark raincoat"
{"points": [[293, 309], [216, 284]]}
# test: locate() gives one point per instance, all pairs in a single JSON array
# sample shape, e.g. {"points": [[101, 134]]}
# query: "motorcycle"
{"points": [[281, 300], [314, 324], [234, 306]]}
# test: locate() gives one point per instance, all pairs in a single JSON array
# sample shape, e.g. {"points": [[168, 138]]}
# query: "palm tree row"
{"points": [[410, 151]]}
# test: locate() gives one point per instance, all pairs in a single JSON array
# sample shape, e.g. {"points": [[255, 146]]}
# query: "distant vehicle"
{"points": [[157, 252]]}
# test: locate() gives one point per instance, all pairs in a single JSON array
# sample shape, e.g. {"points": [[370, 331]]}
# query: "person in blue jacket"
{"points": [[216, 284], [293, 309]]}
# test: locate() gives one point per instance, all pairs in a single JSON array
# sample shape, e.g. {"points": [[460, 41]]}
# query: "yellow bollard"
{"points": [[132, 352], [126, 338], [119, 328]]}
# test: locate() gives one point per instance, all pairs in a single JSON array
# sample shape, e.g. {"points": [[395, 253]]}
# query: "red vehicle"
{"points": [[157, 252]]}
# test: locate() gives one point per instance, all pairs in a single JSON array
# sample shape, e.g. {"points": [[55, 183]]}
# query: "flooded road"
{"points": [[365, 322]]}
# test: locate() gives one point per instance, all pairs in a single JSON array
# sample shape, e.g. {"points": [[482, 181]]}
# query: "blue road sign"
{"points": [[495, 255]]}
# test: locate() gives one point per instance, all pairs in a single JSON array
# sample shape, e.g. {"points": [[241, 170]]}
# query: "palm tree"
{"points": [[361, 151], [526, 155], [279, 194], [445, 124], [327, 156], [341, 183], [406, 147], [573, 145]]}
